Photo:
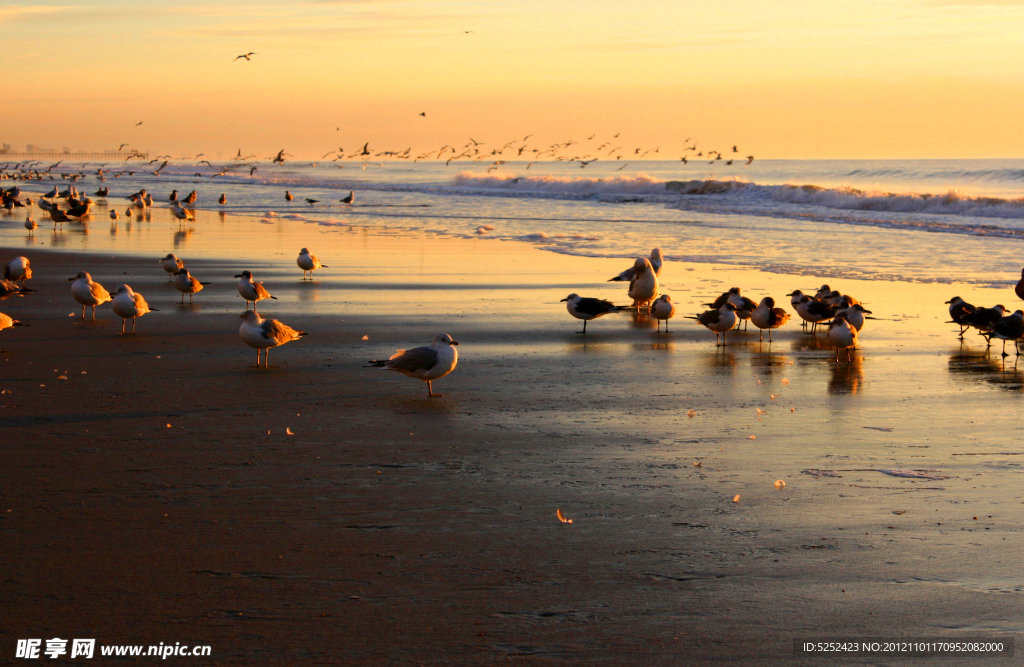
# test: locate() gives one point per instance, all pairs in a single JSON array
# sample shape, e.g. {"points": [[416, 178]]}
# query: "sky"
{"points": [[778, 78]]}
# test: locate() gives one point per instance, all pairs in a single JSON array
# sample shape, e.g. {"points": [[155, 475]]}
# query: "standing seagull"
{"points": [[58, 217], [351, 198], [186, 284], [1010, 327], [251, 290], [18, 269], [843, 336], [88, 293], [427, 363], [30, 225], [127, 304], [644, 287], [180, 213], [627, 275], [767, 316], [288, 196], [663, 309], [586, 309], [171, 264], [264, 334], [720, 320], [958, 310], [308, 263], [223, 199]]}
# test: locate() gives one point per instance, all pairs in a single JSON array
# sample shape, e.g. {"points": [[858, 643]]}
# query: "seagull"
{"points": [[8, 288], [767, 316], [1019, 287], [58, 216], [127, 303], [114, 215], [186, 284], [984, 319], [173, 196], [288, 196], [627, 275], [30, 225], [644, 286], [586, 308], [252, 291], [351, 198], [663, 309], [264, 334], [1010, 328], [246, 56], [308, 263], [311, 201], [426, 363], [6, 322], [744, 306], [180, 213], [223, 199], [958, 310], [18, 269], [843, 336], [854, 315], [813, 311], [720, 320], [81, 210], [88, 293]]}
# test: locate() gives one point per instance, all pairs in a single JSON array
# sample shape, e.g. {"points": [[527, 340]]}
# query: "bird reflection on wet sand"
{"points": [[984, 367], [847, 378]]}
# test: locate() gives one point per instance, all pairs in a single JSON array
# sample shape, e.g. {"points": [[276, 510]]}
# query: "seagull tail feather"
{"points": [[377, 363]]}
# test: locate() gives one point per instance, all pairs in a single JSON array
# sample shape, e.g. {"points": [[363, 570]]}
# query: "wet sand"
{"points": [[154, 495]]}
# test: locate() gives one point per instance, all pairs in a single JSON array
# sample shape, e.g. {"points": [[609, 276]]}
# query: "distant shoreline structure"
{"points": [[74, 157]]}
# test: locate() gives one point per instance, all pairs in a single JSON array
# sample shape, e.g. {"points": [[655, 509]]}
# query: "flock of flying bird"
{"points": [[842, 313]]}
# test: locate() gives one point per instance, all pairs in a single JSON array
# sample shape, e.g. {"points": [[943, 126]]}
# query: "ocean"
{"points": [[903, 220]]}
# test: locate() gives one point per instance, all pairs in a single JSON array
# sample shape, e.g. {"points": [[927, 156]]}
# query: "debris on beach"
{"points": [[779, 484], [817, 472], [736, 498], [366, 338], [691, 413], [913, 474], [898, 512], [880, 428], [785, 380], [760, 411], [288, 431], [753, 437], [561, 517]]}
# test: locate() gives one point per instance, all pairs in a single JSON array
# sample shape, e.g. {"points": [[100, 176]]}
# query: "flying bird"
{"points": [[246, 56]]}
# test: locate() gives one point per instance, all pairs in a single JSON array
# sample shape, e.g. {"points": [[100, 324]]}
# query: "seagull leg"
{"points": [[182, 298], [430, 389], [584, 328], [266, 358], [133, 326], [760, 335], [666, 326], [94, 313], [123, 323], [83, 312], [1004, 349]]}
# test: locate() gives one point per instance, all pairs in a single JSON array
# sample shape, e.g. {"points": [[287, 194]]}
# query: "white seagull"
{"points": [[854, 315], [18, 269], [251, 290], [767, 316], [720, 320], [30, 225], [264, 334], [127, 303], [427, 363], [308, 263], [627, 275], [663, 309], [186, 284], [88, 293], [843, 336], [586, 309], [171, 264], [180, 213], [644, 287]]}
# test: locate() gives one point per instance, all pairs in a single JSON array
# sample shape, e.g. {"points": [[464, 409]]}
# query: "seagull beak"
{"points": [[791, 294], [564, 300], [72, 279], [239, 275], [455, 342], [869, 312], [950, 301]]}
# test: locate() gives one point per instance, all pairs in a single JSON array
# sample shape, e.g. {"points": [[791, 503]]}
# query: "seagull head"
{"points": [[571, 297], [955, 299], [251, 317], [656, 254], [123, 289], [444, 339], [795, 292], [304, 251], [244, 274], [82, 275], [642, 264], [768, 302]]}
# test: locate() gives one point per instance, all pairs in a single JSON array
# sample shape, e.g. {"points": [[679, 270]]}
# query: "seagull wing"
{"points": [[416, 359], [279, 333], [99, 292], [261, 291]]}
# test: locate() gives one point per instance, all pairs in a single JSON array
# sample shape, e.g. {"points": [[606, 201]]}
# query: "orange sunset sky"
{"points": [[781, 78]]}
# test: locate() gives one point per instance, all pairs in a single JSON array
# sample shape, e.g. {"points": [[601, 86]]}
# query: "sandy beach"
{"points": [[154, 493]]}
